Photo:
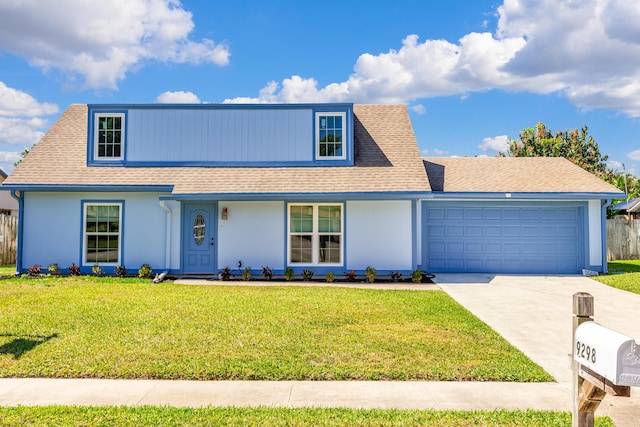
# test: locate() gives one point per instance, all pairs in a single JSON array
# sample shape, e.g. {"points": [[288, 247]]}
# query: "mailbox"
{"points": [[611, 354]]}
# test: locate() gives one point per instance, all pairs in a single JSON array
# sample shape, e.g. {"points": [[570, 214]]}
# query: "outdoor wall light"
{"points": [[224, 214]]}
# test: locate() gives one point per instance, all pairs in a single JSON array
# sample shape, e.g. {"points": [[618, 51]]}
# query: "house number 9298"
{"points": [[585, 352]]}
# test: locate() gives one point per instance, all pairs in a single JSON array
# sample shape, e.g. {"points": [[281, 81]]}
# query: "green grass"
{"points": [[166, 416], [7, 270], [626, 266], [629, 280], [130, 328]]}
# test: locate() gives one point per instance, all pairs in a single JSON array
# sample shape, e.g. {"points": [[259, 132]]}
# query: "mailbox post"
{"points": [[604, 362]]}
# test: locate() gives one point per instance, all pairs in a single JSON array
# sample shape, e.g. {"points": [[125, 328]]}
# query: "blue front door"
{"points": [[198, 238]]}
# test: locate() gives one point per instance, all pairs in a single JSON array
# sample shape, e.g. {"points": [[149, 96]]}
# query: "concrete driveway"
{"points": [[534, 313]]}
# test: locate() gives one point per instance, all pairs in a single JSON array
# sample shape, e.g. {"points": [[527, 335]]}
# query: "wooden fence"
{"points": [[623, 238], [8, 233]]}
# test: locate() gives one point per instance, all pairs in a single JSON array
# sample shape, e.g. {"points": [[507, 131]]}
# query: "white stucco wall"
{"points": [[379, 234], [253, 233]]}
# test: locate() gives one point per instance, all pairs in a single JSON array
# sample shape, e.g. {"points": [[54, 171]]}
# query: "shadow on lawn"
{"points": [[23, 343]]}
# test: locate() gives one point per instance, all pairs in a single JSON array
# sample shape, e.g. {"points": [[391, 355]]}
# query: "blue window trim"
{"points": [[316, 135], [92, 159], [317, 268], [347, 159], [84, 203]]}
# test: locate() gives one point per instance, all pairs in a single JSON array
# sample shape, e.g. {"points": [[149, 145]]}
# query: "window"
{"points": [[315, 234], [102, 233], [109, 136], [330, 129]]}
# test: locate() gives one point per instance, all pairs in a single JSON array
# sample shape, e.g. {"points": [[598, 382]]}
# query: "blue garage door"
{"points": [[490, 238]]}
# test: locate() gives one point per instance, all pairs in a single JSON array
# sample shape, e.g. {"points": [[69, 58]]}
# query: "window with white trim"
{"points": [[330, 132], [102, 233], [109, 136], [316, 234]]}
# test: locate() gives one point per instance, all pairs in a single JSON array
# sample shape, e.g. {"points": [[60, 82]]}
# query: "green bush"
{"points": [[289, 274], [145, 271]]}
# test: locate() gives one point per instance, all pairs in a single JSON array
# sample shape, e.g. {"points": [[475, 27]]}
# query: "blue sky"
{"points": [[473, 73]]}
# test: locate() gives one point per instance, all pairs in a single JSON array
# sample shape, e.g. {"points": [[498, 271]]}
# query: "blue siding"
{"points": [[503, 238], [219, 135]]}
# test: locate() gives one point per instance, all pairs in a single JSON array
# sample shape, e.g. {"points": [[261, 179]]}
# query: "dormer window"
{"points": [[109, 136], [330, 133]]}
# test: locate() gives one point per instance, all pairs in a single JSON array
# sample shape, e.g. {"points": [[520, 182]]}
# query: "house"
{"points": [[192, 189], [8, 205], [629, 208]]}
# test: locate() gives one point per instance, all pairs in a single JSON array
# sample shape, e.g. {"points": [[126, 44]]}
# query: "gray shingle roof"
{"points": [[387, 159], [512, 175]]}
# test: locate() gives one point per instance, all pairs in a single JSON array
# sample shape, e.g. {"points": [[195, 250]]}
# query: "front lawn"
{"points": [[301, 417], [629, 281], [130, 328], [624, 266], [7, 270]]}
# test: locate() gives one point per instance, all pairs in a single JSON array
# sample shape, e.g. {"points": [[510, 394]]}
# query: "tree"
{"points": [[627, 183], [575, 145]]}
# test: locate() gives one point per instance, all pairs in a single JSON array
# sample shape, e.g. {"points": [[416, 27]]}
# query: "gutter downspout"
{"points": [[20, 199], [605, 255], [167, 256]]}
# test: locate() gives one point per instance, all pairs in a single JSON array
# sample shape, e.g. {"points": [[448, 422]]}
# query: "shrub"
{"points": [[351, 275], [34, 270], [225, 273], [145, 271], [396, 277], [120, 271], [246, 274], [288, 274], [96, 270], [74, 270], [53, 269], [267, 272], [416, 276], [330, 277], [371, 274], [307, 275]]}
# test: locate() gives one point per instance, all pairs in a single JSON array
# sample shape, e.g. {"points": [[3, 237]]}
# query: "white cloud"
{"points": [[178, 97], [9, 157], [439, 152], [496, 143], [21, 119], [15, 103], [587, 51], [634, 155], [21, 122], [614, 164], [102, 41], [418, 109], [21, 131]]}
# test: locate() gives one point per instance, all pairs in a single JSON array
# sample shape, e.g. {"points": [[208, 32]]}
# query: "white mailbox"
{"points": [[611, 354]]}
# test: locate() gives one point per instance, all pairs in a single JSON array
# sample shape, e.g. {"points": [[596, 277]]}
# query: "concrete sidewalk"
{"points": [[532, 312], [354, 394]]}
